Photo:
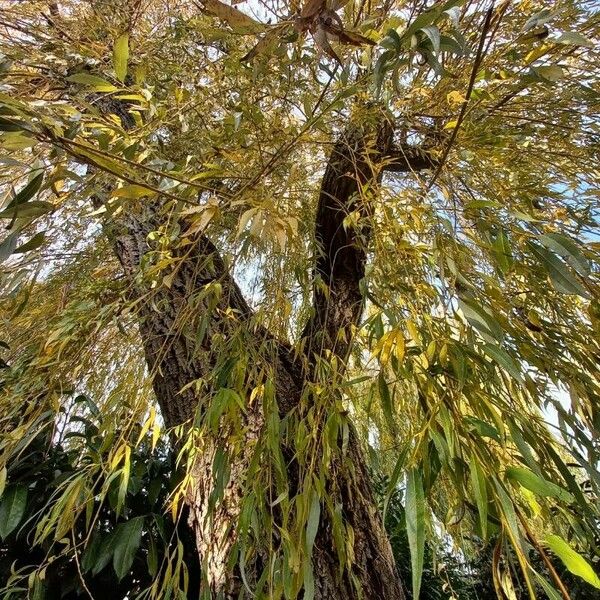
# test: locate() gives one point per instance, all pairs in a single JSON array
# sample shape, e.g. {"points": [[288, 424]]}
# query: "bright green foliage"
{"points": [[473, 380]]}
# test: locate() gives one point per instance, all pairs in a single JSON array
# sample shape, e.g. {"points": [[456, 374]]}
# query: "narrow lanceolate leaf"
{"points": [[35, 208], [132, 191], [28, 192], [8, 245], [126, 542], [415, 526], [538, 485], [575, 39], [121, 56], [482, 319], [568, 249], [573, 560], [312, 524], [12, 509], [561, 276], [503, 358], [386, 400], [480, 491], [502, 252], [265, 46], [33, 244], [99, 84]]}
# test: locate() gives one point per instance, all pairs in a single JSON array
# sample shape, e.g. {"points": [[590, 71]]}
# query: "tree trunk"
{"points": [[179, 358]]}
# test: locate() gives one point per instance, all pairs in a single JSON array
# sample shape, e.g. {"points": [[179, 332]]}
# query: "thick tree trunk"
{"points": [[180, 360]]}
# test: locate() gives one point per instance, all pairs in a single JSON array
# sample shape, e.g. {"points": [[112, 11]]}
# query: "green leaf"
{"points": [[502, 252], [394, 478], [539, 18], [415, 526], [562, 278], [386, 400], [152, 557], [551, 73], [480, 491], [500, 356], [100, 552], [574, 39], [121, 56], [567, 248], [28, 192], [538, 485], [34, 208], [572, 560], [8, 245], [33, 244], [550, 591], [510, 516], [127, 540], [482, 319], [12, 509], [482, 428], [308, 581], [10, 124], [433, 33], [312, 524]]}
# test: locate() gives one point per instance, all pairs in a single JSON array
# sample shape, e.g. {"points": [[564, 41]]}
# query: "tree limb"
{"points": [[343, 232]]}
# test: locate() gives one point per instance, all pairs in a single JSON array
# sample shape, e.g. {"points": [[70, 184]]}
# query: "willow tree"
{"points": [[307, 242]]}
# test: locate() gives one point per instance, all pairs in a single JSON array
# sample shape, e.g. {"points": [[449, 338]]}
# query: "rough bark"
{"points": [[169, 319]]}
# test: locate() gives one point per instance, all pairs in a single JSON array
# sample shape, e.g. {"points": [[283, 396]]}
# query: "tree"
{"points": [[306, 243]]}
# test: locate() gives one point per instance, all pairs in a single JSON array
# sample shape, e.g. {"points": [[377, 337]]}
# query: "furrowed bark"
{"points": [[353, 173], [170, 317], [169, 320]]}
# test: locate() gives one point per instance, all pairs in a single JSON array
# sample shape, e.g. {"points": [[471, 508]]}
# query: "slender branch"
{"points": [[463, 108]]}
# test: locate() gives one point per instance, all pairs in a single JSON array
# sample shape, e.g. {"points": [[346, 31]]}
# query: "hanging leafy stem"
{"points": [[248, 299]]}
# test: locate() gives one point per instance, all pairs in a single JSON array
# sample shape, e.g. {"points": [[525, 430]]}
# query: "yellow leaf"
{"points": [[121, 56], [155, 435], [132, 191], [455, 97], [400, 346]]}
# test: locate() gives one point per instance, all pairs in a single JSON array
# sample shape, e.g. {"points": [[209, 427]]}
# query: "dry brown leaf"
{"points": [[321, 41], [353, 38]]}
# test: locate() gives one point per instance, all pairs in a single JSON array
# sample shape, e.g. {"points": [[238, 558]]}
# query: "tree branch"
{"points": [[342, 231]]}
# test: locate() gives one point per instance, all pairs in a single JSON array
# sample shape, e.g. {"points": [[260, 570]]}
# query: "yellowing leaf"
{"points": [[121, 56], [99, 84], [572, 560], [551, 73], [132, 191], [455, 97]]}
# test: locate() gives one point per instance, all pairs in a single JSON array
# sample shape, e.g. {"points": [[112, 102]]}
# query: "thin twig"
{"points": [[463, 109]]}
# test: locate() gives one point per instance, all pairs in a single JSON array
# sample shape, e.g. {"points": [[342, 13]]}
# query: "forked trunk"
{"points": [[179, 322]]}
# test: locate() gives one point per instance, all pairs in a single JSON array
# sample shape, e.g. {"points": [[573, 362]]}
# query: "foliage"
{"points": [[482, 317]]}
